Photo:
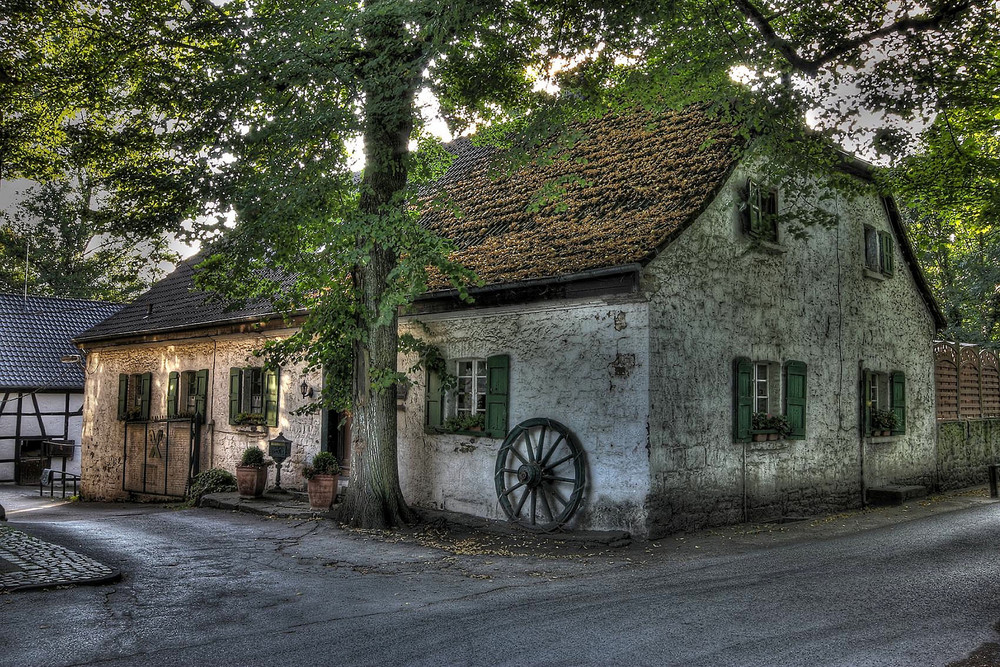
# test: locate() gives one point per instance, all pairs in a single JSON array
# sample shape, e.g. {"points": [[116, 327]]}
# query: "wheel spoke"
{"points": [[552, 478], [513, 489], [534, 504], [545, 502], [541, 443], [530, 446], [516, 453], [558, 496], [561, 461], [552, 449], [520, 503]]}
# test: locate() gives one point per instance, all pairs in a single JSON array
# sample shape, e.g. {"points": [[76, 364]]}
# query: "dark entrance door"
{"points": [[31, 460], [338, 438]]}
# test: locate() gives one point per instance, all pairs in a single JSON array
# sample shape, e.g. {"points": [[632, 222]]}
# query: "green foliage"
{"points": [[467, 422], [323, 463], [74, 249], [253, 457], [250, 419], [763, 421], [883, 420], [429, 358], [214, 480]]}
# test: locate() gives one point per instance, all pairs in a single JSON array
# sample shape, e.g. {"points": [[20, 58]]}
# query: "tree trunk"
{"points": [[374, 498]]}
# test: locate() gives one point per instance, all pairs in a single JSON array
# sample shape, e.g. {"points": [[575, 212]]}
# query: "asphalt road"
{"points": [[205, 587]]}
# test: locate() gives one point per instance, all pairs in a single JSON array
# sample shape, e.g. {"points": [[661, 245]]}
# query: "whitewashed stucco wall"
{"points": [[584, 364], [222, 444], [715, 297]]}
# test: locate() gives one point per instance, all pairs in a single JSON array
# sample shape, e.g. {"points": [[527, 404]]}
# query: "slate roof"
{"points": [[36, 332], [624, 190], [171, 304]]}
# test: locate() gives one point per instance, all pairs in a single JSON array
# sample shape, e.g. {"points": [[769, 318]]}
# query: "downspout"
{"points": [[861, 437], [746, 509], [211, 407], [860, 371]]}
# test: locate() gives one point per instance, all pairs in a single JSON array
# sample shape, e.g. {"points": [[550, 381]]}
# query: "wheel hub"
{"points": [[530, 474]]}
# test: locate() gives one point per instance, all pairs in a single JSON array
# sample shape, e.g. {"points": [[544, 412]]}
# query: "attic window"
{"points": [[760, 220], [149, 309]]}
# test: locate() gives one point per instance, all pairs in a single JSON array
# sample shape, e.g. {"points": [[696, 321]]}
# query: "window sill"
{"points": [[877, 439], [434, 430], [875, 275], [249, 428]]}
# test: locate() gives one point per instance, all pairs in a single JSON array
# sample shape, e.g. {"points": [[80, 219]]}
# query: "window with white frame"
{"points": [[469, 395], [188, 392], [761, 387], [769, 396]]}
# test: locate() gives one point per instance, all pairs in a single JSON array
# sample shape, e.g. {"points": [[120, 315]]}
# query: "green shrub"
{"points": [[215, 480], [253, 457], [323, 463]]}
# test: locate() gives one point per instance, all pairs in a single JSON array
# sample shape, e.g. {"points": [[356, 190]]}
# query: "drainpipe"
{"points": [[210, 407], [861, 436], [746, 509]]}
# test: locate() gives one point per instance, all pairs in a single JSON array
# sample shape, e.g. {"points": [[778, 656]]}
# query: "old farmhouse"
{"points": [[659, 351]]}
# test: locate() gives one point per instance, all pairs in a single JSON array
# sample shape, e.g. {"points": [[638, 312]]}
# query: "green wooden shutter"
{"points": [[147, 386], [201, 393], [899, 402], [497, 390], [122, 396], [173, 381], [271, 397], [886, 245], [795, 398], [743, 399], [432, 399], [866, 406], [235, 382]]}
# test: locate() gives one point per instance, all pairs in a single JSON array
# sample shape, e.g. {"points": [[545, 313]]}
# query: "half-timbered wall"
{"points": [[28, 417]]}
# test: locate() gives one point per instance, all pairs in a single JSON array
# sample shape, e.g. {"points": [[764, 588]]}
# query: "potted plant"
{"points": [[760, 426], [883, 421], [321, 478], [251, 473], [249, 419], [780, 426], [467, 422]]}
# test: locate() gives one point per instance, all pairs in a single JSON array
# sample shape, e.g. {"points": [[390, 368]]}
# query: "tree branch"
{"points": [[811, 66]]}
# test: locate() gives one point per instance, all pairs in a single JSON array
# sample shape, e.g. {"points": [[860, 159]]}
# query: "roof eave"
{"points": [[264, 317]]}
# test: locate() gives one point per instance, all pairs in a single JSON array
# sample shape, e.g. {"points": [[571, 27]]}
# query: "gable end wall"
{"points": [[713, 298]]}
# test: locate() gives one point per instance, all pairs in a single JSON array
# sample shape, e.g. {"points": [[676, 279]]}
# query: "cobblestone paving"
{"points": [[27, 562]]}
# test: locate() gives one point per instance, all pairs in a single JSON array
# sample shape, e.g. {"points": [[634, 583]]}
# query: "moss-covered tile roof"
{"points": [[624, 189]]}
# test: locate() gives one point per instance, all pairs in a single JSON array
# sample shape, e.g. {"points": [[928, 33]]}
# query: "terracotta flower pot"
{"points": [[250, 481], [772, 436], [759, 437], [322, 489]]}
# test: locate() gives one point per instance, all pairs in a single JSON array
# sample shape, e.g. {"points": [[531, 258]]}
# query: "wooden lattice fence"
{"points": [[967, 381]]}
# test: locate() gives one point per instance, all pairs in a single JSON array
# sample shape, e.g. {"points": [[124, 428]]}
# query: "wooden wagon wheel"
{"points": [[541, 473]]}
